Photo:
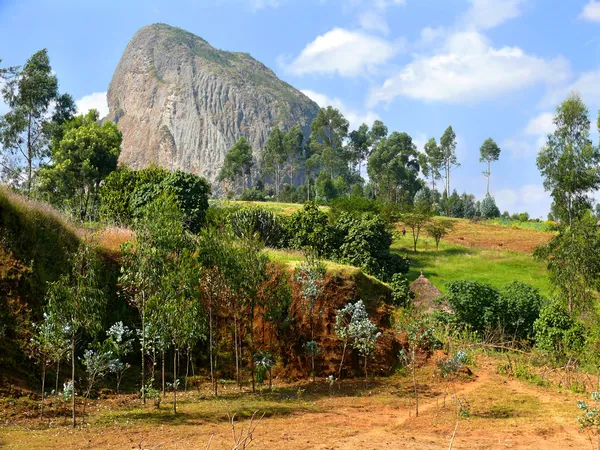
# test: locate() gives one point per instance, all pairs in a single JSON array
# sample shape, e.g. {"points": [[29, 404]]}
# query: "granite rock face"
{"points": [[182, 104]]}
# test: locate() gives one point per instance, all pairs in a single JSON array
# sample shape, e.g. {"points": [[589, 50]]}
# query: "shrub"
{"points": [[518, 308], [524, 217], [309, 228], [474, 304], [401, 293], [253, 195], [556, 332], [191, 193], [365, 242], [249, 222]]}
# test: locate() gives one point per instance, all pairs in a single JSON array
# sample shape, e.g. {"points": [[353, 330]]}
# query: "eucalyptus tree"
{"points": [[569, 162], [48, 345], [274, 158], [159, 231], [431, 163], [238, 164], [34, 102], [448, 156], [293, 144], [329, 130], [78, 302], [310, 275], [490, 152], [359, 146]]}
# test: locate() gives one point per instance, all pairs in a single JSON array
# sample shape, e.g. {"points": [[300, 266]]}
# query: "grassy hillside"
{"points": [[457, 262]]}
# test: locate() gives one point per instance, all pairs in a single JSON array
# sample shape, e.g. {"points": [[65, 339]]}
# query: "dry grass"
{"points": [[504, 413]]}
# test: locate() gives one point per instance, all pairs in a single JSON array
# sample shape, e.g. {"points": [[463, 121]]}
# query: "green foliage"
{"points": [[557, 333], [488, 208], [84, 155], [569, 162], [437, 229], [589, 421], [250, 222], [518, 308], [573, 262], [126, 192], [189, 191], [238, 162], [36, 108], [401, 293], [310, 229], [393, 168], [490, 152], [365, 242], [474, 304]]}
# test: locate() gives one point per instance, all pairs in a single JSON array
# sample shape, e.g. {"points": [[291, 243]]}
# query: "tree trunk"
{"points": [[174, 381], [144, 349], [414, 369], [73, 379], [366, 377], [489, 174], [29, 158], [163, 374], [43, 387], [342, 362], [187, 369], [57, 376], [210, 350], [237, 358]]}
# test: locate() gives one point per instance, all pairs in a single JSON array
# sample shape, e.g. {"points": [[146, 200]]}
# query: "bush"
{"points": [[524, 217], [253, 195], [309, 229], [474, 304], [249, 222], [365, 242], [401, 293], [518, 308], [190, 191], [556, 332]]}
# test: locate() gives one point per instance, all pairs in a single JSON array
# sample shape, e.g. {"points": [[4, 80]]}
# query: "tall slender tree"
{"points": [[490, 152], [329, 129], [448, 156], [34, 101], [569, 162]]}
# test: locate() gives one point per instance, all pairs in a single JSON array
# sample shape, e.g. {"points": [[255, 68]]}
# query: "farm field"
{"points": [[503, 413]]}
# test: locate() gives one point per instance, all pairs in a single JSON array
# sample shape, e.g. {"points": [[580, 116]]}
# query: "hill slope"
{"points": [[181, 103]]}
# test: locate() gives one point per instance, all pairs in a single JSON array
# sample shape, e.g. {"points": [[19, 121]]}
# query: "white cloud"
{"points": [[348, 53], [97, 100], [373, 21], [354, 117], [487, 14], [256, 5], [468, 69], [531, 198], [529, 141], [591, 11], [587, 84], [541, 125]]}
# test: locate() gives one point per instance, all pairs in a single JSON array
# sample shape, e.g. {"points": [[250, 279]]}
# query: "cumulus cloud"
{"points": [[591, 11], [487, 14], [355, 118], [529, 141], [97, 100], [587, 84], [469, 69], [531, 198], [345, 52]]}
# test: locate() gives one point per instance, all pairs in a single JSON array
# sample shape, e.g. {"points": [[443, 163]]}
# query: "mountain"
{"points": [[181, 103]]}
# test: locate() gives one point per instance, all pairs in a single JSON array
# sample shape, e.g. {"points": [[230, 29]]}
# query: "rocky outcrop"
{"points": [[181, 103]]}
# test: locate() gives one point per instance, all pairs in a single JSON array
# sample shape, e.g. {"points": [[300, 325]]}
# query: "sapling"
{"points": [[310, 275], [589, 421], [120, 342], [97, 363], [363, 333], [263, 362]]}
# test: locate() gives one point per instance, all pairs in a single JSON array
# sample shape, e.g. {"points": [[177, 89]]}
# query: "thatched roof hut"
{"points": [[426, 295]]}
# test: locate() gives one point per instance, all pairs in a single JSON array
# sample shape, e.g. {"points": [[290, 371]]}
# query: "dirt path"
{"points": [[505, 413]]}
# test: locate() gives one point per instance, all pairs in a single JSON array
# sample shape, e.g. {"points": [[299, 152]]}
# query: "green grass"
{"points": [[285, 209], [537, 226], [454, 262]]}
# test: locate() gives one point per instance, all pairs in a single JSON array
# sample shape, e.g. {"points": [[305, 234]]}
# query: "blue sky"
{"points": [[489, 68]]}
